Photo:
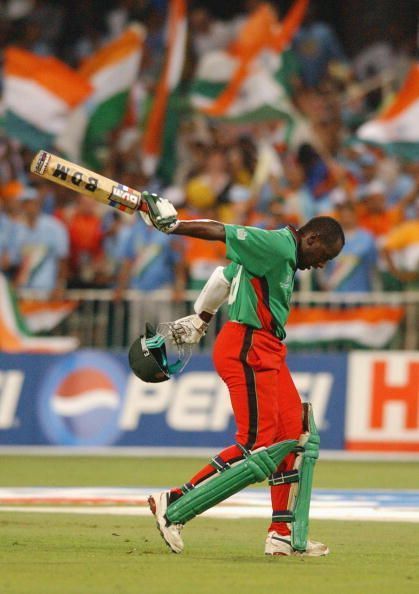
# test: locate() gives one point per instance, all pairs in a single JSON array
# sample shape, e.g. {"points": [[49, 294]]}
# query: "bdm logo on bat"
{"points": [[76, 178]]}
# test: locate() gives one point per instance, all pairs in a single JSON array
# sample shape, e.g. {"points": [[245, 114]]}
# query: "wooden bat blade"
{"points": [[82, 180]]}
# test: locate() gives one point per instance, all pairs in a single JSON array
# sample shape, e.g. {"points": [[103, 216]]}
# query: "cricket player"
{"points": [[250, 356]]}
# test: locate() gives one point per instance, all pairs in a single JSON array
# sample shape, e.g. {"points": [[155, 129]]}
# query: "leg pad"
{"points": [[256, 467]]}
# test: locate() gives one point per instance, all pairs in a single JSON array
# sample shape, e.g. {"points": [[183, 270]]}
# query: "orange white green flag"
{"points": [[397, 126], [15, 336], [112, 72], [39, 94], [369, 326], [157, 144], [249, 80]]}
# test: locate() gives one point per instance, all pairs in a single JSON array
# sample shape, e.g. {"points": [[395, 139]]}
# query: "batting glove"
{"points": [[188, 330], [160, 213]]}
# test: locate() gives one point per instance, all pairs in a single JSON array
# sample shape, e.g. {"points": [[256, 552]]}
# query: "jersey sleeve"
{"points": [[258, 250], [229, 271]]}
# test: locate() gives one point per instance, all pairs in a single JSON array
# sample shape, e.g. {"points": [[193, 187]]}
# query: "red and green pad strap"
{"points": [[256, 467]]}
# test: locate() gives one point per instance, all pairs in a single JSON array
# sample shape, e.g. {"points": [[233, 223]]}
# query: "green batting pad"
{"points": [[254, 468], [299, 532]]}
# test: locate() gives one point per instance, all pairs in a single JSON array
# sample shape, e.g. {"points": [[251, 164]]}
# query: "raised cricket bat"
{"points": [[82, 180]]}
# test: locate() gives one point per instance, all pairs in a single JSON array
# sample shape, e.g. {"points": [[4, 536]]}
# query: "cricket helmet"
{"points": [[148, 357]]}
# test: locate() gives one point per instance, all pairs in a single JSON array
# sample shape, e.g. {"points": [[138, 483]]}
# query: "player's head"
{"points": [[320, 240]]}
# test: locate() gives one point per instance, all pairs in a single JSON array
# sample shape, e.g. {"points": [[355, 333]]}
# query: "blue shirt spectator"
{"points": [[42, 245], [152, 258], [352, 270], [8, 251], [316, 45]]}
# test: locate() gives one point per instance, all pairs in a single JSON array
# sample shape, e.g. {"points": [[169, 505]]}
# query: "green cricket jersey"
{"points": [[262, 276]]}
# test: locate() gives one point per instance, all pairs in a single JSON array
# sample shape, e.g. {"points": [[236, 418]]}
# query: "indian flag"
{"points": [[361, 327], [15, 336], [162, 123], [39, 95], [111, 71], [248, 82], [43, 316], [397, 126]]}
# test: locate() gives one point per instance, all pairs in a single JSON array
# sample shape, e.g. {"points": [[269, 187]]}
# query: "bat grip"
{"points": [[143, 206]]}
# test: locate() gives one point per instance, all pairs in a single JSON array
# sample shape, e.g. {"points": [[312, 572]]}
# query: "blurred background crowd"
{"points": [[343, 65]]}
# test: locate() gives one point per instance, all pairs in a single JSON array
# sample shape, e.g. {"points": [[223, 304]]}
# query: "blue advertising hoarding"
{"points": [[90, 398]]}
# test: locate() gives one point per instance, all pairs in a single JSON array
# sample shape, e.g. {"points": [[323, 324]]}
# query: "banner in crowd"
{"points": [[111, 71], [364, 401], [249, 81], [17, 337], [39, 94], [369, 326], [163, 120], [397, 126]]}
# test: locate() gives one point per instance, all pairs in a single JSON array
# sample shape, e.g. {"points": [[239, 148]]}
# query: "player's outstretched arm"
{"points": [[202, 229]]}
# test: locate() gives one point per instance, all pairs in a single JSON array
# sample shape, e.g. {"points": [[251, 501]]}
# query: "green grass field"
{"points": [[87, 554]]}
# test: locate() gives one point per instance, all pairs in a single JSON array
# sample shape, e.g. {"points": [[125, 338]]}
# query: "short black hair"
{"points": [[327, 228]]}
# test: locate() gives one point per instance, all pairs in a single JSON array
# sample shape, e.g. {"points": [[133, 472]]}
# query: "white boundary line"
{"points": [[170, 452]]}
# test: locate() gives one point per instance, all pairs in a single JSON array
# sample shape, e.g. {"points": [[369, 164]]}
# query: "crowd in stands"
{"points": [[53, 239]]}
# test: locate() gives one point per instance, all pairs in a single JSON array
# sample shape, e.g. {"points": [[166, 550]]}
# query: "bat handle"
{"points": [[143, 206]]}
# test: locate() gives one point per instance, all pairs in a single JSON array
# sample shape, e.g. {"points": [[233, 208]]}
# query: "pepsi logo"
{"points": [[83, 391], [81, 398]]}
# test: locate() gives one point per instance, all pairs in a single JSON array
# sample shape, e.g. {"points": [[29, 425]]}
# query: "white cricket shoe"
{"points": [[276, 544], [158, 503]]}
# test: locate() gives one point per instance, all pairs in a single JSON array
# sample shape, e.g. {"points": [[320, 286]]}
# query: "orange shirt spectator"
{"points": [[85, 230]]}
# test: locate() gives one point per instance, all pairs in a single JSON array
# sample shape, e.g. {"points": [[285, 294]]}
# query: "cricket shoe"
{"points": [[158, 503], [276, 544]]}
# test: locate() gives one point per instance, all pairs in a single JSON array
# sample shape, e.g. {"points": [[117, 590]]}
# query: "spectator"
{"points": [[210, 187], [316, 46], [293, 188], [8, 227], [353, 269], [149, 263], [373, 212], [209, 34], [401, 253], [85, 231], [42, 245], [115, 230]]}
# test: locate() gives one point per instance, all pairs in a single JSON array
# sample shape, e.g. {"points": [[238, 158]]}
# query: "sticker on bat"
{"points": [[124, 196], [42, 162]]}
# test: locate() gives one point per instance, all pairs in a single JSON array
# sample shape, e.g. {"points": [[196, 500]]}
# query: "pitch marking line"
{"points": [[338, 504]]}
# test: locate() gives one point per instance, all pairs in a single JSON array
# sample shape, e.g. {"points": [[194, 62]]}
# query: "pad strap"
{"points": [[282, 478], [219, 464], [255, 467], [283, 515]]}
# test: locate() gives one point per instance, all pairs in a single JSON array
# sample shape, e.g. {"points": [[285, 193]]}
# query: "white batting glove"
{"points": [[160, 212], [188, 330]]}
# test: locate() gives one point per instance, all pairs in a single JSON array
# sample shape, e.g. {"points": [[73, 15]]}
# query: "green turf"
{"points": [[114, 471], [63, 554], [99, 554]]}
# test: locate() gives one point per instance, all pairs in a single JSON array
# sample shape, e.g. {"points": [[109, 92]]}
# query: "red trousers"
{"points": [[266, 404]]}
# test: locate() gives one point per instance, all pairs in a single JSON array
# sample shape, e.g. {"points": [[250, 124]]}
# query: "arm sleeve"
{"points": [[214, 293]]}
